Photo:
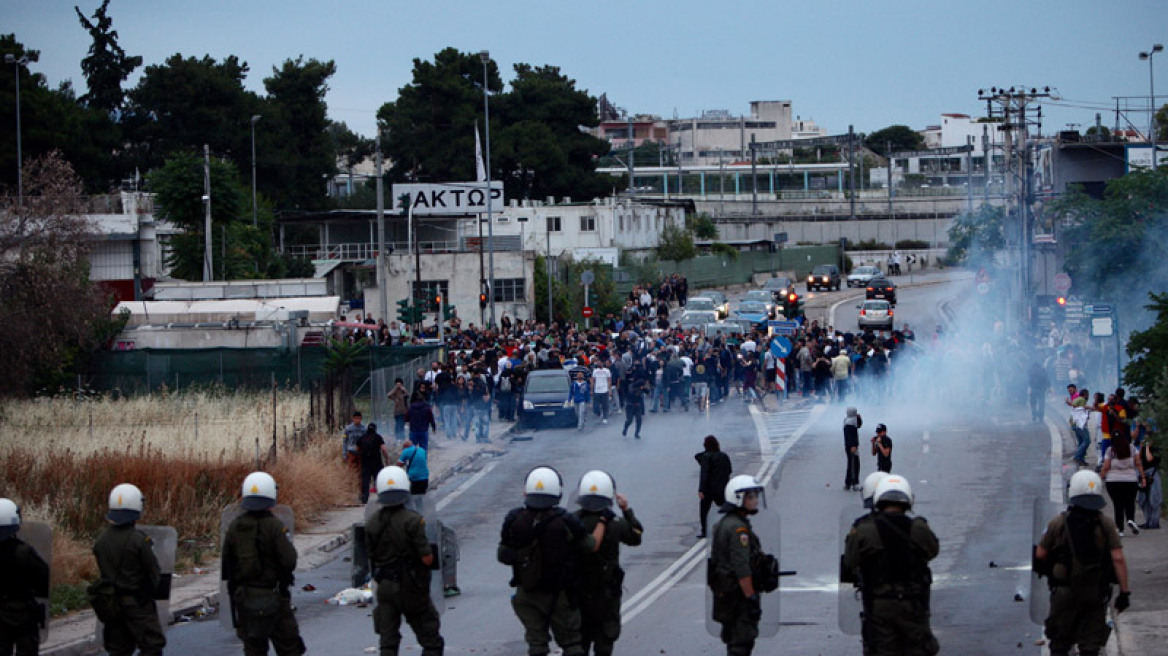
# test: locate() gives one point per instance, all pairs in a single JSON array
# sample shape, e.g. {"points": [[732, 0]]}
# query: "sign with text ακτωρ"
{"points": [[451, 197]]}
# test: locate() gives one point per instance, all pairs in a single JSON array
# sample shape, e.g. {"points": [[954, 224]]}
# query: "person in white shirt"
{"points": [[601, 386], [749, 346]]}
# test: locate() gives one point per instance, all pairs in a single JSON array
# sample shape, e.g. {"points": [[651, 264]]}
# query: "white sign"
{"points": [[1062, 282], [1139, 156], [451, 197], [1101, 327]]}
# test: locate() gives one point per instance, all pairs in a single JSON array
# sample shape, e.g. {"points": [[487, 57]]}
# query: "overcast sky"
{"points": [[870, 63]]}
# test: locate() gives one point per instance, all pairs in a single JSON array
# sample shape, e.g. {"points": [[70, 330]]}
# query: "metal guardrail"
{"points": [[358, 251]]}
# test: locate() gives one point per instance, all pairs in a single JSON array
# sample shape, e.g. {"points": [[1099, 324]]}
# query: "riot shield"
{"points": [[164, 541], [230, 514], [850, 603], [361, 571], [39, 536], [1044, 511], [362, 568], [766, 526]]}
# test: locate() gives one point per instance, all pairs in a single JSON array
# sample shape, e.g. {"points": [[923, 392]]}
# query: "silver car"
{"points": [[721, 303], [875, 314], [861, 276]]}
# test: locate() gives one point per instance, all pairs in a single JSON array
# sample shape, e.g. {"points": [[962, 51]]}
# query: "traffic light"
{"points": [[404, 311], [483, 292], [448, 312], [1062, 301], [435, 304], [793, 306]]}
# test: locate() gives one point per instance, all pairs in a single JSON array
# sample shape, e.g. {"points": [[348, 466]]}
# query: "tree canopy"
{"points": [[1148, 349], [977, 235], [107, 65], [901, 137]]}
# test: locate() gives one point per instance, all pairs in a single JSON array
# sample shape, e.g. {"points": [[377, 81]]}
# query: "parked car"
{"points": [[761, 296], [882, 288], [876, 315], [546, 398], [824, 276], [721, 303], [753, 311], [861, 276]]}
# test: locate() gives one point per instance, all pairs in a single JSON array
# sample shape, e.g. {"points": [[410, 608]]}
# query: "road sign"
{"points": [[587, 312], [982, 275], [783, 327], [587, 278], [1097, 309], [1102, 327], [780, 238], [451, 197], [1062, 282], [983, 288], [780, 347]]}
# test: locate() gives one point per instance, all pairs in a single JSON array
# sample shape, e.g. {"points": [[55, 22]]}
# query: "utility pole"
{"points": [[382, 277], [888, 149], [208, 255], [969, 171], [852, 170], [753, 177], [632, 154]]}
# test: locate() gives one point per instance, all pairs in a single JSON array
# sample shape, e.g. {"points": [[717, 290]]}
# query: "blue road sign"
{"points": [[1098, 309], [780, 347]]}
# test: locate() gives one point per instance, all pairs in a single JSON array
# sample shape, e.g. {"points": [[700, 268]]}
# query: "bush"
{"points": [[719, 248], [912, 244], [868, 245]]}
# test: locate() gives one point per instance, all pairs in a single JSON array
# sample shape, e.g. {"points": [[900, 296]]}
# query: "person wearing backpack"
{"points": [[600, 575], [543, 543], [1081, 554], [125, 557], [258, 561], [401, 559]]}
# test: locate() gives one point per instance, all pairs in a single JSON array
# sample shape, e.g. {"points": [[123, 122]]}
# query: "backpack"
{"points": [[1091, 574], [528, 563]]}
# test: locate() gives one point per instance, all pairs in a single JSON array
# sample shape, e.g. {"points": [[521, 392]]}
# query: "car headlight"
{"points": [[528, 405], [568, 403], [810, 278]]}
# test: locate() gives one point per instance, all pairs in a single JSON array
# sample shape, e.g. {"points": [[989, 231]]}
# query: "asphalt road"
{"points": [[975, 469]]}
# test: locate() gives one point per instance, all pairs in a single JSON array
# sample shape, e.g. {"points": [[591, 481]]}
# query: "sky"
{"points": [[867, 63]]}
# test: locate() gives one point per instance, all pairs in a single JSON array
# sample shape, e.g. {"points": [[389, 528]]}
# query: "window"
{"points": [[588, 224], [553, 224], [510, 289]]}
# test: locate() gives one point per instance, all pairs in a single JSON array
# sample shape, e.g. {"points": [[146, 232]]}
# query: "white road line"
{"points": [[457, 492], [1056, 461], [925, 446]]}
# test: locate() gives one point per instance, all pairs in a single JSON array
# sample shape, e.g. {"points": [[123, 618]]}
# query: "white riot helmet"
{"points": [[739, 486], [543, 488], [9, 518], [1086, 490], [596, 491], [893, 489], [125, 504], [869, 489], [259, 491], [393, 486]]}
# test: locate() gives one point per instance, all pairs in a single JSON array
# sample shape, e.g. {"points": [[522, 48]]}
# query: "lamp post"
{"points": [[485, 57], [254, 207], [523, 249], [17, 63], [1152, 90]]}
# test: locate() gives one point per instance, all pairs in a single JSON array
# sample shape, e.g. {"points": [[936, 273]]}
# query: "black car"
{"points": [[547, 398], [824, 276], [882, 288]]}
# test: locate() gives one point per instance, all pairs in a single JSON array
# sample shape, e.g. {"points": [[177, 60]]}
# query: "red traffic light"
{"points": [[1061, 300], [792, 297], [438, 300]]}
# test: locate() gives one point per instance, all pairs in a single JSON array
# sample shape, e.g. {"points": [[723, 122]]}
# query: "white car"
{"points": [[876, 315], [861, 276]]}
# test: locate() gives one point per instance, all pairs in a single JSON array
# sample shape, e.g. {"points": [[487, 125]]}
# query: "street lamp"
{"points": [[485, 57], [254, 212], [17, 63], [1152, 89]]}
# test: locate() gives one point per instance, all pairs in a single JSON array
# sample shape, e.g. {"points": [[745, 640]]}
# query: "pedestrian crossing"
{"points": [[782, 427]]}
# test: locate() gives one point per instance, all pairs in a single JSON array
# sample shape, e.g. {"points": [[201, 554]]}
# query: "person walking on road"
{"points": [[373, 454], [543, 543], [1038, 385], [1124, 473], [401, 559], [841, 373], [580, 394], [882, 449], [732, 579], [601, 387], [852, 424], [421, 419], [399, 400], [1082, 556], [258, 561], [125, 556], [634, 405], [714, 474], [413, 460], [353, 432], [1080, 415], [600, 575], [890, 556]]}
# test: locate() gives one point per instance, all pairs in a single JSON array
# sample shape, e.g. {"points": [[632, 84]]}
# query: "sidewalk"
{"points": [[196, 593], [1141, 630]]}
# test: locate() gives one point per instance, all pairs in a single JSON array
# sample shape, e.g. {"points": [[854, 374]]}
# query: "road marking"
{"points": [[1056, 461], [457, 492]]}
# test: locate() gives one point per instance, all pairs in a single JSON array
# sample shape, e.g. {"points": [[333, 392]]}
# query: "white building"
{"points": [[717, 136], [128, 243]]}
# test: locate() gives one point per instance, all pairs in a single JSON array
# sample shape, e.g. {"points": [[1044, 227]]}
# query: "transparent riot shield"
{"points": [[164, 540], [850, 603], [419, 503], [39, 536], [1044, 511], [765, 525], [230, 514]]}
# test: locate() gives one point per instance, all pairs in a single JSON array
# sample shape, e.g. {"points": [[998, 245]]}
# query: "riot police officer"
{"points": [[889, 554], [733, 553], [1081, 553], [395, 538], [542, 543], [849, 575], [258, 561], [600, 575], [125, 557], [26, 577]]}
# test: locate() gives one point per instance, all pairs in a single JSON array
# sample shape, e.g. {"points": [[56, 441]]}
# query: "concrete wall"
{"points": [[933, 231]]}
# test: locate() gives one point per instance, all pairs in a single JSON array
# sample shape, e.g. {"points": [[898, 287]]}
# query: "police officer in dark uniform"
{"points": [[889, 554], [734, 549], [26, 577], [258, 561], [542, 543], [125, 556], [600, 575], [395, 539], [1081, 553]]}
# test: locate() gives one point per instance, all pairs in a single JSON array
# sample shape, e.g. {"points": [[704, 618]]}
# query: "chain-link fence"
{"points": [[381, 382]]}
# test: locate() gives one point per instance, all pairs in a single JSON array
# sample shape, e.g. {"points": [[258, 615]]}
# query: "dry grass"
{"points": [[59, 475]]}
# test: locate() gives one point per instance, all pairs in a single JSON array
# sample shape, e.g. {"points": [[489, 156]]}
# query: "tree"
{"points": [[977, 235], [107, 65], [902, 137], [298, 148], [676, 244], [703, 227], [1148, 349], [53, 315]]}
